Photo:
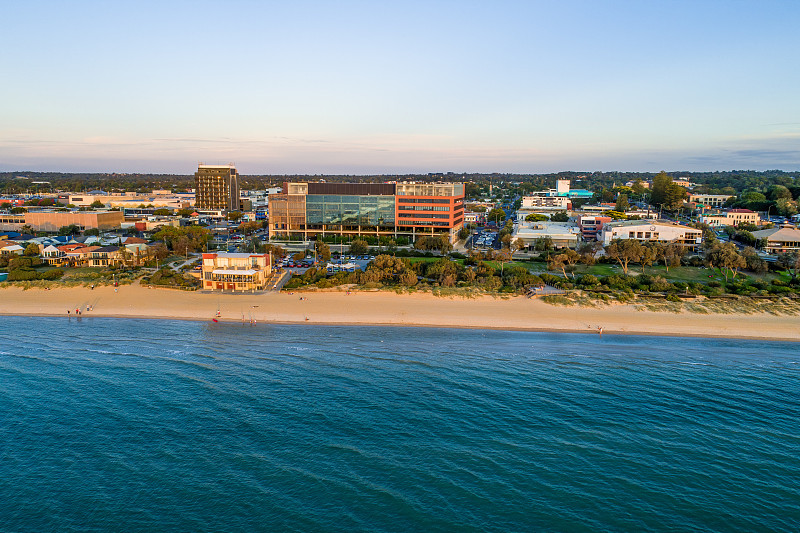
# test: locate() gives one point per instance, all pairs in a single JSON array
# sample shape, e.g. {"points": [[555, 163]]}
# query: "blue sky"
{"points": [[395, 87]]}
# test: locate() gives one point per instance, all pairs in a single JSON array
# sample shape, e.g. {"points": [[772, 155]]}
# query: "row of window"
{"points": [[402, 200], [424, 208], [422, 215]]}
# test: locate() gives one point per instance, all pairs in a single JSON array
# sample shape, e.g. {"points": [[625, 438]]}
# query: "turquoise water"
{"points": [[134, 425]]}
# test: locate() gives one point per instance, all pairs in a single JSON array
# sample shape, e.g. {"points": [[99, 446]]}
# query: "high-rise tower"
{"points": [[216, 187]]}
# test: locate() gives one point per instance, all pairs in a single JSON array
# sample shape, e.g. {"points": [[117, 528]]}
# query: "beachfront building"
{"points": [[731, 217], [52, 221], [785, 238], [217, 187], [235, 271], [307, 210], [651, 230], [562, 234]]}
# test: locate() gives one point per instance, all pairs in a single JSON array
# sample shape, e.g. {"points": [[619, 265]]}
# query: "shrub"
{"points": [[673, 298], [22, 274], [56, 273]]}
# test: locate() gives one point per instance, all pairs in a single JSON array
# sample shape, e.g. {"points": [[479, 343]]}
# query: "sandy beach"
{"points": [[385, 308]]}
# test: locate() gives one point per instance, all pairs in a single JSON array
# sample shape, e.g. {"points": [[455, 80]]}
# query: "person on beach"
{"points": [[67, 312]]}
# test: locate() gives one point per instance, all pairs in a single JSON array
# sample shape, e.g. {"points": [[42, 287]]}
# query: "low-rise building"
{"points": [[590, 226], [709, 200], [731, 217], [562, 234], [649, 230], [474, 217], [52, 221], [785, 238], [548, 203], [235, 271]]}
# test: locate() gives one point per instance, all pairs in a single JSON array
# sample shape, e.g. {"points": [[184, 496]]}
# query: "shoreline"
{"points": [[361, 308], [606, 331]]}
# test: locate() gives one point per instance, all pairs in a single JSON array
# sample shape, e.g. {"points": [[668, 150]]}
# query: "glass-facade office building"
{"points": [[349, 210], [305, 210]]}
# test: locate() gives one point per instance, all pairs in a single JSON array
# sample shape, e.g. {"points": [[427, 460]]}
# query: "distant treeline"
{"points": [[739, 180]]}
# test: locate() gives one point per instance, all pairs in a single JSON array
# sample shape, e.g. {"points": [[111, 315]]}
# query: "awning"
{"points": [[235, 272]]}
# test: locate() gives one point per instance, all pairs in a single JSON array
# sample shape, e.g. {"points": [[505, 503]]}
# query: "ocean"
{"points": [[143, 425]]}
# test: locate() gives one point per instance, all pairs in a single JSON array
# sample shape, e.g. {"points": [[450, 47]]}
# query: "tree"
{"points": [[92, 232], [564, 261], [496, 215], [359, 247], [790, 261], [162, 212], [97, 204], [786, 207], [323, 251], [249, 227], [535, 217], [235, 216], [561, 216], [624, 251], [622, 203], [543, 244], [658, 189], [638, 188], [588, 250], [650, 254], [181, 245], [754, 263], [160, 251], [185, 212], [776, 192], [72, 229], [503, 256], [444, 245], [726, 257], [672, 254], [31, 249]]}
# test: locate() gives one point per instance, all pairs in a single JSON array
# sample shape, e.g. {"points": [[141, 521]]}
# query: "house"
{"points": [[651, 230], [235, 271], [53, 256], [11, 247], [79, 256], [731, 217], [785, 238], [103, 256]]}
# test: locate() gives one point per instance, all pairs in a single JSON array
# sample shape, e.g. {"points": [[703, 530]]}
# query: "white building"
{"points": [[546, 203], [563, 234], [649, 230], [709, 200], [732, 217]]}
